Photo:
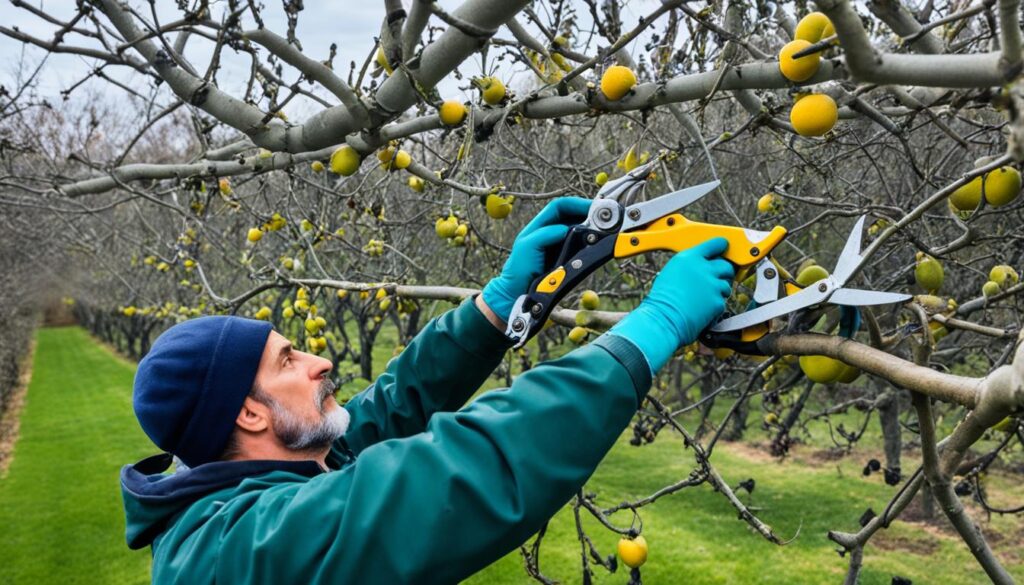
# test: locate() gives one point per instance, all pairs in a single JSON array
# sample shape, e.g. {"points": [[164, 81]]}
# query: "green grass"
{"points": [[60, 504], [61, 511]]}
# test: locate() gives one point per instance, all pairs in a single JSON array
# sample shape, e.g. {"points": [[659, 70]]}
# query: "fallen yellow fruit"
{"points": [[800, 69], [345, 161], [617, 81], [814, 115], [452, 113], [633, 552]]}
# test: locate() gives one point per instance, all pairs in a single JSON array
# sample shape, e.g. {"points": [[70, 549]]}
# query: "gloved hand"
{"points": [[526, 262], [686, 296]]}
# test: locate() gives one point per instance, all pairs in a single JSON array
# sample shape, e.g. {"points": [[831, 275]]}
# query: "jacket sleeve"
{"points": [[439, 506], [437, 372]]}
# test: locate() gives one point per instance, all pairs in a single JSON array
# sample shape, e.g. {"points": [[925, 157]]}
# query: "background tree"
{"points": [[178, 198]]}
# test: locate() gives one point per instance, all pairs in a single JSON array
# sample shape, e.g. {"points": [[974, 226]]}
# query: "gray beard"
{"points": [[300, 435]]}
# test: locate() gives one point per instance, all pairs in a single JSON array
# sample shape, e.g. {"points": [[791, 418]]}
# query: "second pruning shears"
{"points": [[617, 228], [741, 332]]}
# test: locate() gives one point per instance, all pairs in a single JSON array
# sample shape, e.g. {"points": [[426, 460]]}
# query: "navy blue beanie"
{"points": [[191, 385]]}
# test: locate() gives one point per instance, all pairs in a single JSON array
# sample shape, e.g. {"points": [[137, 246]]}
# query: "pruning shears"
{"points": [[617, 228], [776, 296]]}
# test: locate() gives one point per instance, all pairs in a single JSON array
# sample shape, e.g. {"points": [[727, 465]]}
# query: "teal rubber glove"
{"points": [[687, 295], [526, 262]]}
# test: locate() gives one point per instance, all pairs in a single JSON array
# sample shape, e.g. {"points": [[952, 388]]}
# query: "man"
{"points": [[404, 484]]}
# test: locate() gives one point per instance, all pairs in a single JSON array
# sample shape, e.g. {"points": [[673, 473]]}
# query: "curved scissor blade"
{"points": [[850, 258], [862, 298], [807, 297], [648, 211]]}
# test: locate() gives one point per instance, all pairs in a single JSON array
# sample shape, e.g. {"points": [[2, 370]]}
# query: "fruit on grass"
{"points": [[814, 115], [617, 81]]}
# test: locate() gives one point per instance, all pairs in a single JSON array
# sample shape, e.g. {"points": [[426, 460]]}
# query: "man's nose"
{"points": [[322, 366]]}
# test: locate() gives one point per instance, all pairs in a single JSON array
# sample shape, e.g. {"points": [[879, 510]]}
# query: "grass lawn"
{"points": [[61, 509], [60, 504]]}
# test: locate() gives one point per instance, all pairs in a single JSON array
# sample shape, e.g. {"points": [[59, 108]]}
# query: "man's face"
{"points": [[299, 396]]}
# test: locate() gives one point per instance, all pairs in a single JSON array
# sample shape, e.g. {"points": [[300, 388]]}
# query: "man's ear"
{"points": [[254, 416]]}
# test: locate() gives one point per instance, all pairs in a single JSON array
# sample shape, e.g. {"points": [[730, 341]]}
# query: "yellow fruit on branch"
{"points": [[1002, 186], [498, 207], [814, 115], [345, 160], [849, 374], [492, 89], [445, 227], [814, 27], [768, 203], [263, 313], [601, 179], [967, 197], [254, 235], [452, 113], [577, 335], [391, 161], [821, 369], [633, 551], [416, 184], [382, 60], [288, 312], [990, 288], [224, 184], [928, 273], [316, 166], [461, 230], [617, 81], [800, 69], [810, 275], [590, 300]]}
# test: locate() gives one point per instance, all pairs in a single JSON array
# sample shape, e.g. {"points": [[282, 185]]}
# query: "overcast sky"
{"points": [[352, 24]]}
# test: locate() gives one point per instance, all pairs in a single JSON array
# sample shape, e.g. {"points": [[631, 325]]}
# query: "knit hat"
{"points": [[191, 385]]}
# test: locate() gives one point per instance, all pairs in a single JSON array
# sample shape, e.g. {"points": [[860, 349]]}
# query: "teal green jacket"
{"points": [[421, 489]]}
